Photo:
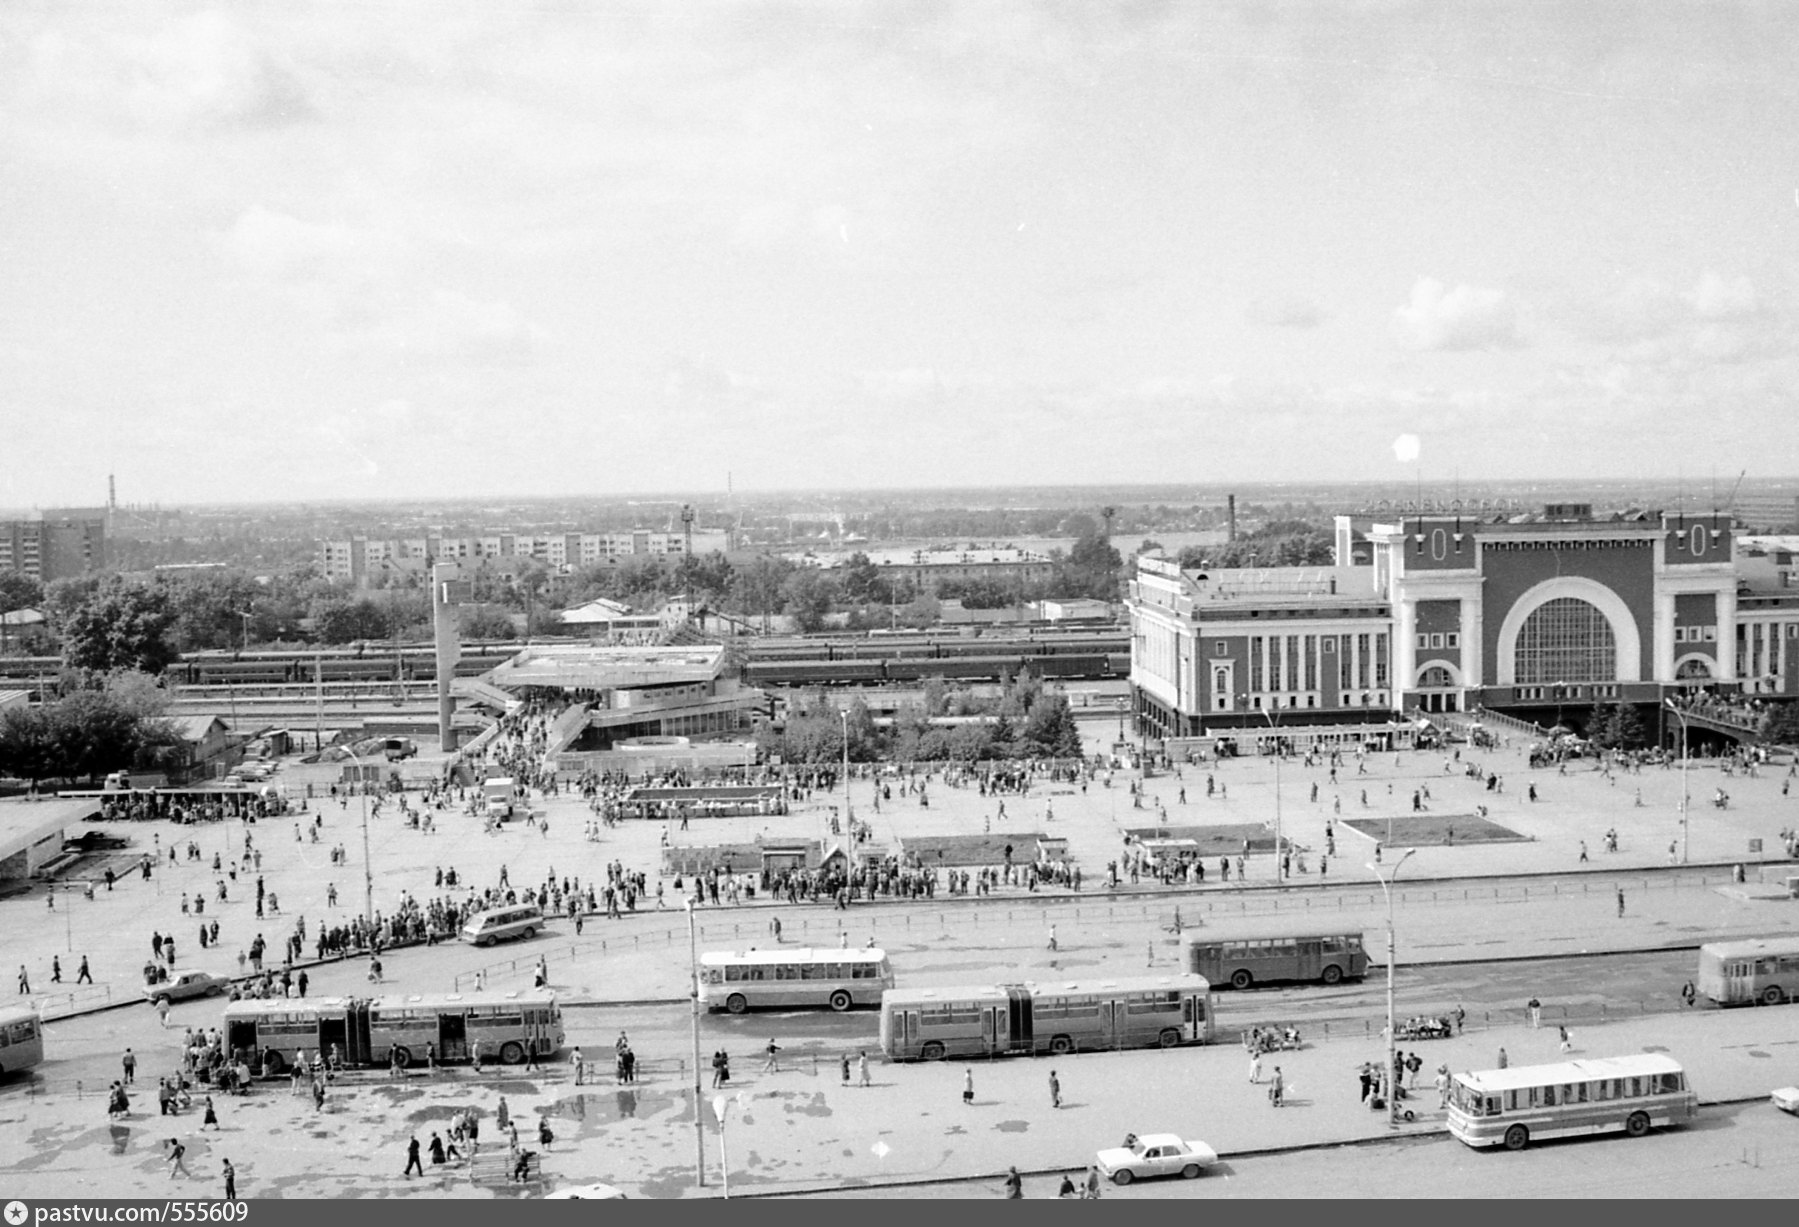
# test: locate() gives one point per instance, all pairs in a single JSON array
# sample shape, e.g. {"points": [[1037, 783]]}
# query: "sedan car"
{"points": [[182, 985], [1787, 1099], [1155, 1154]]}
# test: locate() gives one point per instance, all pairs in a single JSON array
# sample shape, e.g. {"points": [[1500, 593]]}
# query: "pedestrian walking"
{"points": [[1014, 1184], [162, 1010], [1277, 1088], [1052, 937], [412, 1158], [212, 1115], [1442, 1081], [1620, 903], [1092, 1190], [230, 1181], [1583, 851], [773, 1064], [24, 979], [1055, 1090], [1535, 1008], [968, 1087], [1502, 1060], [862, 1069], [1255, 1067], [845, 1062], [1567, 1040], [130, 1063], [176, 1166]]}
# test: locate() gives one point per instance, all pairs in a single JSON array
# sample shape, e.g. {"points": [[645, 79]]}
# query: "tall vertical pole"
{"points": [[848, 815], [1392, 960], [699, 1109], [1685, 754]]}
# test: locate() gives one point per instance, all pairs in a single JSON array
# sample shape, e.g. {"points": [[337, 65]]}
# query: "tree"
{"points": [[87, 732], [920, 612], [485, 622], [1049, 730], [807, 596], [1783, 724], [122, 626], [341, 621], [19, 592]]}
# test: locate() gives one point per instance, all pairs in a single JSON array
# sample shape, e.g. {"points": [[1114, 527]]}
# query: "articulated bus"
{"points": [[21, 1039], [1510, 1107], [931, 1024], [380, 1030], [1759, 971], [793, 979], [1322, 957]]}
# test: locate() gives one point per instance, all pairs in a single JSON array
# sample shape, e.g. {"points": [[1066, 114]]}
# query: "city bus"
{"points": [[1322, 957], [21, 1039], [793, 979], [930, 1024], [1762, 971], [1510, 1107], [380, 1030]]}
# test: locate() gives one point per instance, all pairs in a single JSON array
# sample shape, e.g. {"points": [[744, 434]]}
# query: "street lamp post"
{"points": [[1275, 725], [368, 872], [1386, 886], [1684, 754], [1123, 706], [721, 1108], [699, 1125], [849, 816]]}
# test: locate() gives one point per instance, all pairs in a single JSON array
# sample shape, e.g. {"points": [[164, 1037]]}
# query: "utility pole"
{"points": [[687, 556], [699, 1122], [1386, 886]]}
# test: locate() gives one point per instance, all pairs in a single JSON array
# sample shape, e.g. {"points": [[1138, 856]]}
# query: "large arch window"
{"points": [[1693, 668], [1566, 640], [1436, 678]]}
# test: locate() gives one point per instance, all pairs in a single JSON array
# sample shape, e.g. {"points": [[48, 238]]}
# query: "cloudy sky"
{"points": [[286, 251]]}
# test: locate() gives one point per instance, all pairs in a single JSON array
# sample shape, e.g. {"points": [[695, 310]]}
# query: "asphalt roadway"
{"points": [[1458, 908]]}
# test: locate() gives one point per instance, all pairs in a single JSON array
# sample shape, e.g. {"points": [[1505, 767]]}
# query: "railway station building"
{"points": [[1545, 614]]}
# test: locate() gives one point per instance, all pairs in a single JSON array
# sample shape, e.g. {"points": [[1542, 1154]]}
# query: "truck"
{"points": [[502, 797]]}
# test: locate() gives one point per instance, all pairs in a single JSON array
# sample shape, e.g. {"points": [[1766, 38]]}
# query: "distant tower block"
{"points": [[448, 591]]}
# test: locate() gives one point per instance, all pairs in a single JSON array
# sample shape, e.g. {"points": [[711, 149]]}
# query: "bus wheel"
{"points": [[736, 1004], [841, 1001], [1061, 1045], [276, 1063], [1772, 995], [1516, 1137], [402, 1056], [512, 1052], [1169, 1037], [1241, 978], [1332, 974], [932, 1051], [1637, 1125]]}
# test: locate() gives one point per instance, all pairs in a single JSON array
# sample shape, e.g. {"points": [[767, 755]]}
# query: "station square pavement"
{"points": [[640, 957]]}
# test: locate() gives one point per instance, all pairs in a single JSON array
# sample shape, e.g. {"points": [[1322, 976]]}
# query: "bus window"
{"points": [[1669, 1083], [733, 974]]}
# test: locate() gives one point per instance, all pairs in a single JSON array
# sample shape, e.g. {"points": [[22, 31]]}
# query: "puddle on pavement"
{"points": [[814, 1104], [1756, 1052], [1012, 1126]]}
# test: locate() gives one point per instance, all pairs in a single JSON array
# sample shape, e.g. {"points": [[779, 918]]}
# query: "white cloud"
{"points": [[203, 70], [277, 244], [1467, 317], [452, 324], [1714, 298], [1286, 313]]}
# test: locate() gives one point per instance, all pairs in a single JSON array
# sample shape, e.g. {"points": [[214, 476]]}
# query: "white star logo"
{"points": [[16, 1213]]}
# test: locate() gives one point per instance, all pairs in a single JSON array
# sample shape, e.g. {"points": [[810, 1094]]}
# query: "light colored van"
{"points": [[502, 924]]}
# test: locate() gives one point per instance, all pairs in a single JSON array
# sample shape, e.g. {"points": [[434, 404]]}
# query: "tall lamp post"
{"points": [[849, 816], [368, 872], [1386, 886], [1684, 754], [1275, 725], [699, 1124]]}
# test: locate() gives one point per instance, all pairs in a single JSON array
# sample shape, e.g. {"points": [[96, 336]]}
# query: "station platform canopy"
{"points": [[609, 667]]}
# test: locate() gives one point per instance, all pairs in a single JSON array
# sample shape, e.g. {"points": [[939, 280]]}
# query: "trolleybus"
{"points": [[1511, 1107], [931, 1024], [21, 1039], [380, 1030], [793, 979], [1758, 971], [1322, 957]]}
